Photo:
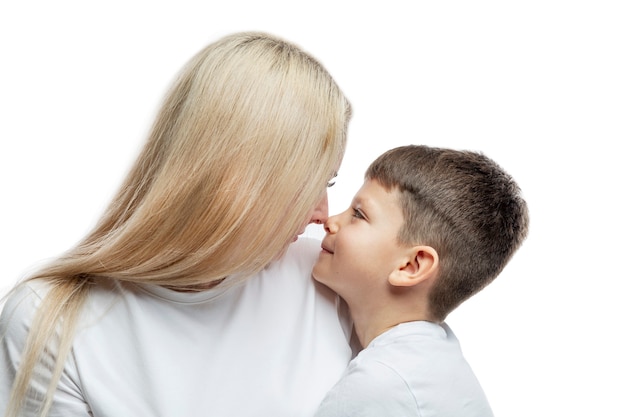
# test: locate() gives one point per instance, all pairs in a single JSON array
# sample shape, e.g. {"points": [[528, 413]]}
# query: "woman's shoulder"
{"points": [[24, 300], [19, 310], [289, 277], [303, 253], [24, 297]]}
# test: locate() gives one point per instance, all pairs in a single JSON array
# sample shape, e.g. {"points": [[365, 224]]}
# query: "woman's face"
{"points": [[318, 215]]}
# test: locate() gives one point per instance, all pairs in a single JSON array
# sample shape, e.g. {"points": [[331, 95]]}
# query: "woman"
{"points": [[186, 298]]}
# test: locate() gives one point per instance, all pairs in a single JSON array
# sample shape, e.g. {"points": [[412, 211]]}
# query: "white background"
{"points": [[537, 85]]}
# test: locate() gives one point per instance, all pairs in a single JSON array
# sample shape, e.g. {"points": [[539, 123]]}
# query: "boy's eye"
{"points": [[356, 213]]}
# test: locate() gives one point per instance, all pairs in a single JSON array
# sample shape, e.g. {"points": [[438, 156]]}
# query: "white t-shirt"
{"points": [[270, 347], [414, 369]]}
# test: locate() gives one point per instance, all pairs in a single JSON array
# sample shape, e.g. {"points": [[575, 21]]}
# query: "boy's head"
{"points": [[457, 208]]}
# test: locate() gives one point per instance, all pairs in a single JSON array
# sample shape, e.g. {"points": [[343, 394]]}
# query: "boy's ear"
{"points": [[421, 265]]}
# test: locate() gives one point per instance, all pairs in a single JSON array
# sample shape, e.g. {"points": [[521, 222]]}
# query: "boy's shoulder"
{"points": [[419, 365], [369, 388]]}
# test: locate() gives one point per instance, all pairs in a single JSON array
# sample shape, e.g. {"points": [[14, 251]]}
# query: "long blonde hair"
{"points": [[240, 152]]}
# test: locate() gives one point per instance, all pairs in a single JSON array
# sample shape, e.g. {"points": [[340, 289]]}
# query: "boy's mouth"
{"points": [[325, 249]]}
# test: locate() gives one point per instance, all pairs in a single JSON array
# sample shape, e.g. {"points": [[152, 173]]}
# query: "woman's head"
{"points": [[238, 157]]}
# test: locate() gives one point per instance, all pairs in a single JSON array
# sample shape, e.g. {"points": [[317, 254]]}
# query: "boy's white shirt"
{"points": [[272, 346], [413, 369]]}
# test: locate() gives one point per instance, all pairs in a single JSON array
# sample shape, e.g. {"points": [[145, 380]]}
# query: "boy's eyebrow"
{"points": [[361, 202]]}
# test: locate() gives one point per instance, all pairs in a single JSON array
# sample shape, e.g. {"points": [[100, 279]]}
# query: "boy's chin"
{"points": [[316, 275]]}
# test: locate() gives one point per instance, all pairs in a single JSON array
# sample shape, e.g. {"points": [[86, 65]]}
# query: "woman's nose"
{"points": [[320, 212]]}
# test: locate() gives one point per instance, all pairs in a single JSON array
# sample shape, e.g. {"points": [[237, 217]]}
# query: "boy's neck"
{"points": [[371, 322]]}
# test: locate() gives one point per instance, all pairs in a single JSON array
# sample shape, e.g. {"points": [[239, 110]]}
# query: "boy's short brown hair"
{"points": [[462, 204]]}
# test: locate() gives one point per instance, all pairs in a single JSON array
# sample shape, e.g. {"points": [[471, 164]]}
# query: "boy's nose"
{"points": [[320, 213], [331, 225]]}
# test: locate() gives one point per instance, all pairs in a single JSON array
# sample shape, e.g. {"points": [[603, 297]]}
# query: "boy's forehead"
{"points": [[372, 193]]}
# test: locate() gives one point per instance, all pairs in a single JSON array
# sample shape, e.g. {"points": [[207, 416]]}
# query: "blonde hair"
{"points": [[239, 154]]}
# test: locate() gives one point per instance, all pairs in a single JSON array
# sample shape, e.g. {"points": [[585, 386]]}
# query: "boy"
{"points": [[428, 229]]}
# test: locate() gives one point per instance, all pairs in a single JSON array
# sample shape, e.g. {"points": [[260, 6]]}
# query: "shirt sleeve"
{"points": [[15, 323], [371, 390]]}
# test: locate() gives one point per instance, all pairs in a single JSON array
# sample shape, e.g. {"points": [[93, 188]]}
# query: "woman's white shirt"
{"points": [[272, 346]]}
